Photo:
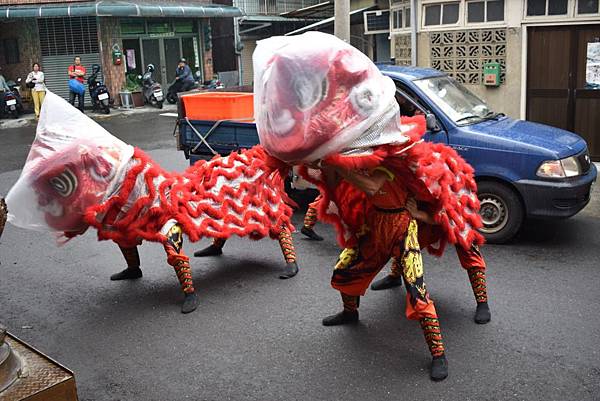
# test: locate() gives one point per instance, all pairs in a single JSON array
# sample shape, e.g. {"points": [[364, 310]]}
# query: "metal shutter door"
{"points": [[61, 39], [56, 75]]}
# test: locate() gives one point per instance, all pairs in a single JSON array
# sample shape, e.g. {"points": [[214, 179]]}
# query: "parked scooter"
{"points": [[213, 84], [98, 91], [151, 89], [13, 105]]}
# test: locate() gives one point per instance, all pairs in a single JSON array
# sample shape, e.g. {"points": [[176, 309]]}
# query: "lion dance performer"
{"points": [[322, 104], [78, 175], [470, 259], [429, 233]]}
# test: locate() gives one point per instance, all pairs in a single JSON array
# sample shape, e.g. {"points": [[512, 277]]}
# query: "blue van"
{"points": [[523, 169]]}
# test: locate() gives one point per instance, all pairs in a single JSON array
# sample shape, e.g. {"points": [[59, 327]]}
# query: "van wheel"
{"points": [[501, 212]]}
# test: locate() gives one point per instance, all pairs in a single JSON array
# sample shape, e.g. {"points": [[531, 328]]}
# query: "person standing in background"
{"points": [[3, 88], [77, 71], [38, 91]]}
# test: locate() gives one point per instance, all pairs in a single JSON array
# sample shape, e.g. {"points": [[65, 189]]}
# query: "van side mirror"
{"points": [[431, 123]]}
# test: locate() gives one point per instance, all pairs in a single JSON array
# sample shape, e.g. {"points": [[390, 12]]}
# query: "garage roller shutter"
{"points": [[61, 39], [55, 71]]}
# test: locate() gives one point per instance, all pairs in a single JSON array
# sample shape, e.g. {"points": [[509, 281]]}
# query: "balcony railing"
{"points": [[273, 7]]}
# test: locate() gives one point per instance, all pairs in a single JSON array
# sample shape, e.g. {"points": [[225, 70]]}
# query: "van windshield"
{"points": [[456, 101]]}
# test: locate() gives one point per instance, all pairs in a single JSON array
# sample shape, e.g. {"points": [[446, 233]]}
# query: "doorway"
{"points": [[164, 53], [563, 80]]}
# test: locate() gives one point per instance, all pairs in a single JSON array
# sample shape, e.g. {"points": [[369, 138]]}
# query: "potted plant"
{"points": [[134, 86]]}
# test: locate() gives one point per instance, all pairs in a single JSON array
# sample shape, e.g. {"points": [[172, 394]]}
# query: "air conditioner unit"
{"points": [[377, 21]]}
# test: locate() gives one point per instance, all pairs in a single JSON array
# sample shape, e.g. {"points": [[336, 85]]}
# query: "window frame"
{"points": [[375, 32], [587, 15], [13, 49], [570, 12], [485, 22], [441, 26], [405, 8]]}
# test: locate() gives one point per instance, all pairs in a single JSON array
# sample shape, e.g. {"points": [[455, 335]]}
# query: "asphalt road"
{"points": [[255, 337]]}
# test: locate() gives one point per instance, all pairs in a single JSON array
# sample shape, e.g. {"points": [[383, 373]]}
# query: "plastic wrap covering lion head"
{"points": [[73, 164], [316, 95]]}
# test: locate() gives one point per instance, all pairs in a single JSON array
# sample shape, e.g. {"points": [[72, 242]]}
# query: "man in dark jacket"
{"points": [[184, 79]]}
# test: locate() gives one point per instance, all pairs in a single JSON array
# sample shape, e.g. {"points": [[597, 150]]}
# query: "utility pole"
{"points": [[413, 33], [342, 19]]}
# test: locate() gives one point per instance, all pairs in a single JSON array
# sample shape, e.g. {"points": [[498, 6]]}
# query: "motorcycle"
{"points": [[98, 91], [173, 86], [151, 89], [13, 104], [213, 84], [173, 91]]}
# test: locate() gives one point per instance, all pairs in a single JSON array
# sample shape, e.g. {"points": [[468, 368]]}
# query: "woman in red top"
{"points": [[77, 71]]}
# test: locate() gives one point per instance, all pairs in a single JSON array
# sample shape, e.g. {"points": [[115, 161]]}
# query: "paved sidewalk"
{"points": [[29, 118]]}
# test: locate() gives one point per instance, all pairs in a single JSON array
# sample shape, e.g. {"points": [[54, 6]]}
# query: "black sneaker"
{"points": [[131, 273], [290, 270], [482, 313], [344, 317], [386, 282], [439, 368], [190, 303], [210, 250], [310, 233]]}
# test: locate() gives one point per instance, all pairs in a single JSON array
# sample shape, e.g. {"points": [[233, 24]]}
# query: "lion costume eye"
{"points": [[309, 91], [65, 183]]}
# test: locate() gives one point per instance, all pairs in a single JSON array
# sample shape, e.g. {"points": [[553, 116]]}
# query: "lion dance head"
{"points": [[72, 180], [315, 95]]}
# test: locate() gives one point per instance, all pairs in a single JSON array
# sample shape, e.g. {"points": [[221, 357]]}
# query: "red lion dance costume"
{"points": [[320, 102], [78, 175]]}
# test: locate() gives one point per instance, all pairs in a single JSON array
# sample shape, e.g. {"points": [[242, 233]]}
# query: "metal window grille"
{"points": [[68, 36], [377, 21], [11, 51]]}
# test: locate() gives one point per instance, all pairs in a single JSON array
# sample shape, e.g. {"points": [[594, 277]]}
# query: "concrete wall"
{"points": [[109, 32], [25, 31], [17, 2], [507, 97]]}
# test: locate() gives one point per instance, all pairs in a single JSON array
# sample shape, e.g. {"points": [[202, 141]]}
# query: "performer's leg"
{"points": [[214, 249], [356, 267], [310, 219], [393, 279], [472, 261], [428, 235], [420, 307], [348, 315], [181, 263], [289, 253], [133, 270]]}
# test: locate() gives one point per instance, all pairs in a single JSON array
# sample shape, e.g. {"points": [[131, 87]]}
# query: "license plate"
{"points": [[103, 96], [158, 93], [11, 102], [158, 97]]}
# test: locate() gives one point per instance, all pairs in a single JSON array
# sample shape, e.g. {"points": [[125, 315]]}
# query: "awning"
{"points": [[321, 10], [322, 24], [272, 18], [114, 8]]}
